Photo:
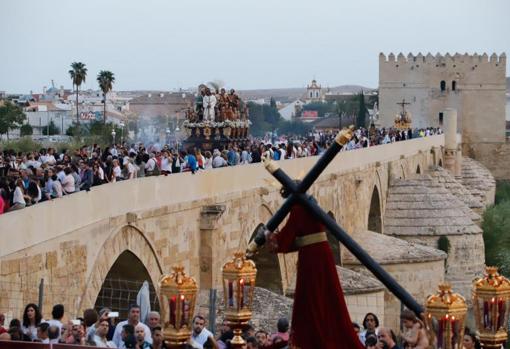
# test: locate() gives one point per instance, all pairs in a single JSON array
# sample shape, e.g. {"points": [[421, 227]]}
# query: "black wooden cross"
{"points": [[298, 195], [403, 105]]}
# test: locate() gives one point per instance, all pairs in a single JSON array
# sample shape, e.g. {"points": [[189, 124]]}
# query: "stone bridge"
{"points": [[141, 228]]}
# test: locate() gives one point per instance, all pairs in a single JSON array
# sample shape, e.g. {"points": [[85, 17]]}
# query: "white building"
{"points": [[291, 110]]}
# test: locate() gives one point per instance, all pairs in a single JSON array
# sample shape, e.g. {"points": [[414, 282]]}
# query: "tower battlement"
{"points": [[443, 60]]}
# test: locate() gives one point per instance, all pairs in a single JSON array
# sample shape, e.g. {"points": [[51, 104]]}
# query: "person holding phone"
{"points": [[101, 332]]}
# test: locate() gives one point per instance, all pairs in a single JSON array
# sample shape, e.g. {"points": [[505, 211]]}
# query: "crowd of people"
{"points": [[30, 178], [104, 330]]}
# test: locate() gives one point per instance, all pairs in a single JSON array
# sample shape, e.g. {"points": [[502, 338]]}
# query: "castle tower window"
{"points": [[441, 117], [443, 85], [454, 85]]}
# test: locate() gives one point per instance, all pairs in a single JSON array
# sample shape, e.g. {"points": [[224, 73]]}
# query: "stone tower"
{"points": [[474, 85]]}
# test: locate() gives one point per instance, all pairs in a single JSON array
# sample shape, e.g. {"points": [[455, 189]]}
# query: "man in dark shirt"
{"points": [[387, 338], [87, 177]]}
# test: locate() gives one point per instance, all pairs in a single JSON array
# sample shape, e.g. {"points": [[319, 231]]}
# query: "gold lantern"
{"points": [[491, 299], [178, 295], [446, 314], [238, 287]]}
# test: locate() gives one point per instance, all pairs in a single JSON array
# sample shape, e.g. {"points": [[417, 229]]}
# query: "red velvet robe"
{"points": [[320, 317]]}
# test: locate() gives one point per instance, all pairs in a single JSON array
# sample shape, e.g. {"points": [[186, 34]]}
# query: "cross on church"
{"points": [[297, 195], [403, 104]]}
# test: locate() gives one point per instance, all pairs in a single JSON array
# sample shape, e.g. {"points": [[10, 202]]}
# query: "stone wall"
{"points": [[494, 156], [361, 304], [194, 220], [466, 259]]}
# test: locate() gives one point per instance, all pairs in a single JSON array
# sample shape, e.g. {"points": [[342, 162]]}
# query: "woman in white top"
{"points": [[131, 169], [18, 201], [208, 160], [166, 164], [68, 184], [31, 318], [116, 173]]}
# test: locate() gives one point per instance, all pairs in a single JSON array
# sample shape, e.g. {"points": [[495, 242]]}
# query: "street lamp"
{"points": [[177, 129], [113, 135], [167, 131], [121, 124]]}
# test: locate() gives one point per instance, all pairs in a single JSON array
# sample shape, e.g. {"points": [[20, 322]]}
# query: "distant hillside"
{"points": [[291, 94]]}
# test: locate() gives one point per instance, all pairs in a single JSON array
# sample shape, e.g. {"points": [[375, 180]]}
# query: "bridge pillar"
{"points": [[452, 154], [209, 232]]}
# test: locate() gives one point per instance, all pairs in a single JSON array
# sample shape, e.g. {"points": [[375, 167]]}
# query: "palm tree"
{"points": [[105, 80], [78, 74]]}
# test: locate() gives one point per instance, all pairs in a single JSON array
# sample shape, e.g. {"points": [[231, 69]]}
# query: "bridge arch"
{"points": [[334, 244], [125, 240], [374, 221], [269, 275]]}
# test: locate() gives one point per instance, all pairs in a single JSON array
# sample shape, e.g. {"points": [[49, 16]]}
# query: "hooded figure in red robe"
{"points": [[320, 318]]}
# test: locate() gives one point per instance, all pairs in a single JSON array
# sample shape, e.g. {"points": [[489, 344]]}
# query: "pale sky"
{"points": [[167, 44]]}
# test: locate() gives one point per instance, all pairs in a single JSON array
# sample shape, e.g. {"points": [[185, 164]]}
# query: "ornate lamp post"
{"points": [[238, 287], [177, 298], [491, 299], [113, 135], [167, 131], [446, 314], [122, 132], [177, 129]]}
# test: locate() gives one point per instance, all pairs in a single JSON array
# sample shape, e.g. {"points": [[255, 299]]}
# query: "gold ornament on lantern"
{"points": [[238, 287], [491, 299], [446, 314], [177, 298]]}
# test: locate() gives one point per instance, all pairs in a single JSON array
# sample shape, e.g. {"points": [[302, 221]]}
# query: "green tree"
{"points": [[264, 118], [105, 80], [496, 234], [51, 129], [362, 111], [26, 130], [11, 117], [294, 128], [73, 130], [78, 75], [272, 103]]}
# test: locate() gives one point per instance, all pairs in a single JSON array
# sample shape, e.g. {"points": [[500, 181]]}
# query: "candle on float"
{"points": [[485, 314], [501, 312], [230, 293], [453, 333], [241, 291], [492, 314], [440, 330], [172, 310], [183, 310]]}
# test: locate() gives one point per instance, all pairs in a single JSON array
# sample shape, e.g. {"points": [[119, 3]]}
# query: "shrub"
{"points": [[23, 144], [496, 228]]}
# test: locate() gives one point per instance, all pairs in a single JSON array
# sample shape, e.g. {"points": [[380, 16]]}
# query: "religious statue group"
{"points": [[217, 105]]}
